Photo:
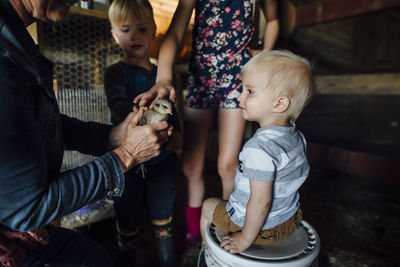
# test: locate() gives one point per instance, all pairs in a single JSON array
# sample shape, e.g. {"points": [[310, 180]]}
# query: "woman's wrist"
{"points": [[114, 139], [126, 159]]}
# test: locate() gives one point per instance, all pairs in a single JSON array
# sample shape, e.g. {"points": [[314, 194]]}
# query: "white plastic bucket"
{"points": [[300, 249]]}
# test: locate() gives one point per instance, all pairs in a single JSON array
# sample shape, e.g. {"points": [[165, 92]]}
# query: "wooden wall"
{"points": [[366, 43], [353, 122], [366, 123]]}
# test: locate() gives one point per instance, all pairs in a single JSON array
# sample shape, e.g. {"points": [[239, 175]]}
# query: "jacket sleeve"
{"points": [[116, 93], [85, 137], [30, 195]]}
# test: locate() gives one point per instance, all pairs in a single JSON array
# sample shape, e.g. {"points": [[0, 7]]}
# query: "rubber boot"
{"points": [[126, 241], [165, 245], [192, 219]]}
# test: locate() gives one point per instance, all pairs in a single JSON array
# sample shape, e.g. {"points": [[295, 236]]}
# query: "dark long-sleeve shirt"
{"points": [[33, 136]]}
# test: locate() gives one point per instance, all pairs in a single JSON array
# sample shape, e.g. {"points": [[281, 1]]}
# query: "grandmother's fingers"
{"points": [[160, 126], [138, 115]]}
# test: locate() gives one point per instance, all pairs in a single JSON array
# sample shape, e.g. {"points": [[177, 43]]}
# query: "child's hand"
{"points": [[253, 52], [160, 90], [235, 243]]}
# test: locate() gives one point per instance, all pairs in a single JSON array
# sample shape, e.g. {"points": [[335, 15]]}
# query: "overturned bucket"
{"points": [[300, 249]]}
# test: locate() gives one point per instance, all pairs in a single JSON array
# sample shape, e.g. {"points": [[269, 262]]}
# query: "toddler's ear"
{"points": [[282, 104], [114, 36]]}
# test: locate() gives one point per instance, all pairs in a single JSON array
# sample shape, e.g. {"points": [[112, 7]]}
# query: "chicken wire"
{"points": [[81, 49]]}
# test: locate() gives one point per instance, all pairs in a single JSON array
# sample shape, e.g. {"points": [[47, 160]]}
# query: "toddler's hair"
{"points": [[287, 75], [120, 10]]}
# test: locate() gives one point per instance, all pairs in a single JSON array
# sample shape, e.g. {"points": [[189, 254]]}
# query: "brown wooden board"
{"points": [[334, 9], [359, 84], [367, 43], [365, 123]]}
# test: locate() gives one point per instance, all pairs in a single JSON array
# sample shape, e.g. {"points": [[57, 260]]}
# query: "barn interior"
{"points": [[352, 124]]}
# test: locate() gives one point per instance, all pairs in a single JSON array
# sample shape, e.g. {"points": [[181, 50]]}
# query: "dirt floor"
{"points": [[357, 220]]}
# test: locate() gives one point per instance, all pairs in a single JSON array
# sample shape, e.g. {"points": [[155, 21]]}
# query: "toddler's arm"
{"points": [[256, 212], [116, 93]]}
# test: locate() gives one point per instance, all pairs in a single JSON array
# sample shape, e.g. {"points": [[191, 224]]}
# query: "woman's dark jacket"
{"points": [[33, 136]]}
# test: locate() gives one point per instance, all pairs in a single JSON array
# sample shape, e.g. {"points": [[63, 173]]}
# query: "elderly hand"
{"points": [[141, 143], [159, 90], [117, 133]]}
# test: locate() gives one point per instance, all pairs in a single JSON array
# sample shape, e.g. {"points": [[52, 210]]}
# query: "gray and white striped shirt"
{"points": [[274, 154]]}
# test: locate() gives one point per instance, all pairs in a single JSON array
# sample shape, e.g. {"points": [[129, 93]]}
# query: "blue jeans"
{"points": [[67, 248], [155, 193]]}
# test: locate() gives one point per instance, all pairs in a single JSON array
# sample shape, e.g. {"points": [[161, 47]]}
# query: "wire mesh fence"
{"points": [[87, 105], [81, 49]]}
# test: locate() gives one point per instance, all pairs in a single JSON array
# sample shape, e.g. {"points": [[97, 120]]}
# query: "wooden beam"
{"points": [[359, 84], [163, 12], [328, 10]]}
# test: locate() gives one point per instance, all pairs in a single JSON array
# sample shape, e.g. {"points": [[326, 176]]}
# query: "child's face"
{"points": [[256, 100], [134, 36]]}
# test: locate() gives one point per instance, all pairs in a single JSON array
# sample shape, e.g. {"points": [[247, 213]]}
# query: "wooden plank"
{"points": [[163, 12], [89, 12], [364, 123], [362, 44], [365, 165], [328, 10], [359, 84]]}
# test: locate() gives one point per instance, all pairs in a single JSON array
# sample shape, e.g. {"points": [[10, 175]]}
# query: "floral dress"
{"points": [[221, 34]]}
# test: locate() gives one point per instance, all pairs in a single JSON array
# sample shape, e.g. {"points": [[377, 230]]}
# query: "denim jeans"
{"points": [[67, 248], [155, 193]]}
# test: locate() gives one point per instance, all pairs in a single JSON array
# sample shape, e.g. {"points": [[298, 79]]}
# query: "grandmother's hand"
{"points": [[161, 89], [141, 143]]}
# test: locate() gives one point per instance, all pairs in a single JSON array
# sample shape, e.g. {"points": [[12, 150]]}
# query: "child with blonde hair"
{"points": [[220, 47], [264, 206], [133, 28]]}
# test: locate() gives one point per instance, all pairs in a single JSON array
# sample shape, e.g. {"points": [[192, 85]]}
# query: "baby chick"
{"points": [[161, 111]]}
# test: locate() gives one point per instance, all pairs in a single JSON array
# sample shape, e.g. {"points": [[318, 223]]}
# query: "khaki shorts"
{"points": [[282, 231]]}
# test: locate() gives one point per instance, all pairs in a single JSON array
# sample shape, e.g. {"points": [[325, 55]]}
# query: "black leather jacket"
{"points": [[33, 135]]}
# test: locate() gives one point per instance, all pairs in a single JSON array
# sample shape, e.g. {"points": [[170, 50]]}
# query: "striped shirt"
{"points": [[274, 154]]}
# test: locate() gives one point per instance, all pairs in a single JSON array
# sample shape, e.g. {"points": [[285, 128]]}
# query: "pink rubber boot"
{"points": [[192, 216]]}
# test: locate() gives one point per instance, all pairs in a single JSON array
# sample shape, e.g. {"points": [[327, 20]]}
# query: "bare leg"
{"points": [[230, 134], [207, 213], [197, 126]]}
